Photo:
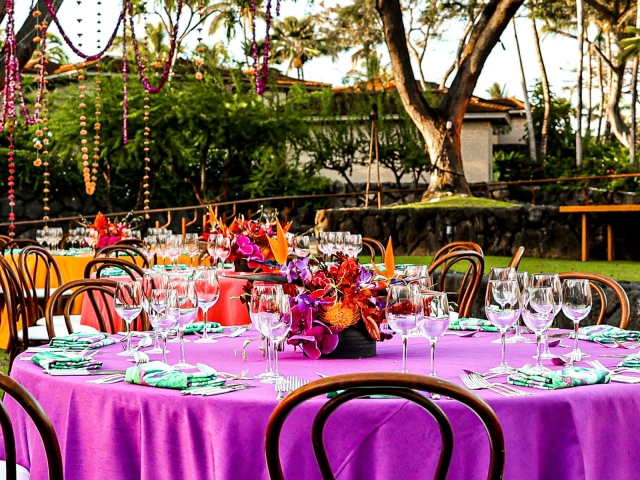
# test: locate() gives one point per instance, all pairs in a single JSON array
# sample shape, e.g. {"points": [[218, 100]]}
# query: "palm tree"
{"points": [[296, 42], [497, 91]]}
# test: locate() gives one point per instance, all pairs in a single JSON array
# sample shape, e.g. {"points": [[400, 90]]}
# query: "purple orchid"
{"points": [[312, 336], [289, 272], [364, 279], [302, 264]]}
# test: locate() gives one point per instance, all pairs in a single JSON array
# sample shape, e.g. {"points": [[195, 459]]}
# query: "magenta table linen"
{"points": [[125, 431]]}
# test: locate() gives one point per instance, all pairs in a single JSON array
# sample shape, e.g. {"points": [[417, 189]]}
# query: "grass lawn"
{"points": [[459, 202], [4, 361], [618, 270]]}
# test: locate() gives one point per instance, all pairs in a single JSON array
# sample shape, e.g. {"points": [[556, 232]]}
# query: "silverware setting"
{"points": [[463, 334], [109, 379], [616, 372], [210, 391], [477, 382], [288, 384]]}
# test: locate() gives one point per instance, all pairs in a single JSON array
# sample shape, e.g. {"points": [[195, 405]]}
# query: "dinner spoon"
{"points": [[463, 335], [234, 334]]}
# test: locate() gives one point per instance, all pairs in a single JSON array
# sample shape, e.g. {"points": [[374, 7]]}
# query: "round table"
{"points": [[126, 431]]}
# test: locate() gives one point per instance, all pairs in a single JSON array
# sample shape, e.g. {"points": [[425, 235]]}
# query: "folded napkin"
{"points": [[604, 334], [81, 341], [157, 374], [632, 361], [64, 361], [212, 327], [472, 324], [179, 266], [567, 377], [112, 272]]}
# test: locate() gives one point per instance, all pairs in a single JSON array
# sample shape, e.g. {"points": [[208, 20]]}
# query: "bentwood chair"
{"points": [[595, 279], [128, 252], [13, 305], [98, 264], [17, 244], [471, 279], [9, 468], [374, 246], [515, 260], [135, 242], [405, 386]]}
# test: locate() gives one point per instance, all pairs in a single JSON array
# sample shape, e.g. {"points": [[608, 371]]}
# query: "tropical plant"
{"points": [[295, 42]]}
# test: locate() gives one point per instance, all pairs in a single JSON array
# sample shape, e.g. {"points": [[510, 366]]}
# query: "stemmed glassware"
{"points": [[208, 290], [257, 292], [128, 305], [502, 273], [537, 313], [188, 311], [165, 310], [323, 244], [274, 313], [523, 283], [222, 248], [91, 238], [174, 248], [551, 280], [576, 305], [352, 245], [403, 308], [149, 247], [502, 309], [301, 246], [191, 246], [419, 275], [433, 321], [152, 280], [41, 236]]}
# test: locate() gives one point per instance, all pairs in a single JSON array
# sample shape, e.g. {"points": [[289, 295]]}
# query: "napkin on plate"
{"points": [[471, 324], [604, 334], [212, 327], [81, 341], [567, 377], [157, 374], [64, 361]]}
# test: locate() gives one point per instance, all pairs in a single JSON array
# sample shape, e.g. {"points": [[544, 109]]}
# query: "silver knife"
{"points": [[80, 372]]}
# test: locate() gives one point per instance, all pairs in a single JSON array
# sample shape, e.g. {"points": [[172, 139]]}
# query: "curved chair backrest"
{"points": [[515, 260], [98, 291], [15, 244], [470, 281], [453, 246], [135, 242], [372, 244], [595, 279], [41, 422], [405, 386], [98, 264], [129, 252], [14, 303], [43, 261]]}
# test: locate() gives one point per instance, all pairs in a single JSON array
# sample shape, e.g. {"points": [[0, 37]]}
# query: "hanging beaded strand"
{"points": [[147, 160], [98, 106], [84, 150]]}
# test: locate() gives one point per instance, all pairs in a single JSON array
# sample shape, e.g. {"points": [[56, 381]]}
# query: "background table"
{"points": [[125, 431]]}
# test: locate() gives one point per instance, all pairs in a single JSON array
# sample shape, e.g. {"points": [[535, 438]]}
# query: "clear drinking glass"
{"points": [[502, 309], [433, 321], [149, 245], [91, 238], [188, 311], [576, 305], [165, 310], [152, 280], [551, 280], [502, 273], [301, 246], [403, 307], [211, 248], [418, 275], [274, 312], [537, 313], [41, 236], [257, 291], [174, 248], [208, 290], [523, 282], [192, 246], [128, 304], [222, 248]]}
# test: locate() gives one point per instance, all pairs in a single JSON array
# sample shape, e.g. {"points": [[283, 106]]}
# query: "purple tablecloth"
{"points": [[126, 431]]}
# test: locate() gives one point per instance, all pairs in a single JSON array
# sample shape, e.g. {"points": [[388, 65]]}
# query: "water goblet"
{"points": [[274, 313], [41, 236], [418, 275], [149, 245], [576, 305], [166, 312], [537, 313], [191, 246], [128, 305], [174, 248], [257, 291], [433, 321], [188, 311], [301, 245], [208, 290], [152, 280], [502, 273], [551, 280], [501, 307], [91, 238], [523, 282], [222, 248], [403, 307], [211, 248]]}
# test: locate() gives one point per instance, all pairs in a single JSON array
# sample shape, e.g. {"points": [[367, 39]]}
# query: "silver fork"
{"points": [[116, 378], [484, 383], [472, 384]]}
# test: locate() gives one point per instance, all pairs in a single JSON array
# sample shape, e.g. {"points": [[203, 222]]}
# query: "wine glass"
{"points": [[323, 244], [152, 280], [418, 275], [128, 304], [274, 313], [257, 291], [576, 305], [502, 273], [403, 307], [191, 246], [174, 248], [149, 245], [433, 321], [523, 283], [91, 238], [501, 306], [166, 312], [211, 248], [222, 248], [551, 280], [161, 248], [208, 290], [537, 313], [41, 236], [352, 245], [188, 311], [301, 246]]}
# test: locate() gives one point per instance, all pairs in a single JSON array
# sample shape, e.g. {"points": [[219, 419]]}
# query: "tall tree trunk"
{"points": [[589, 92], [546, 91], [441, 126], [527, 104], [634, 98], [580, 20], [602, 100], [614, 117]]}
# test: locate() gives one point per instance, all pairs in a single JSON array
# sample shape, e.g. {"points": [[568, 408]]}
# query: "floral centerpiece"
{"points": [[110, 232]]}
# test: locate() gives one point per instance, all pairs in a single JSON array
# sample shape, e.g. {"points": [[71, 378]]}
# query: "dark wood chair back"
{"points": [[16, 244], [13, 302], [515, 260], [374, 247], [596, 280], [126, 252], [41, 261], [453, 246], [98, 264], [135, 242], [406, 386], [470, 280], [98, 291], [42, 423]]}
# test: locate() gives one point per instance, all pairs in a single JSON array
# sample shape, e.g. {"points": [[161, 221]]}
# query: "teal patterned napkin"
{"points": [[112, 272], [81, 341], [472, 324], [632, 361], [567, 377], [604, 334], [212, 327], [157, 374], [64, 361]]}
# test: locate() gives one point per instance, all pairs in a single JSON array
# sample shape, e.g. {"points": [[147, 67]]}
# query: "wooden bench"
{"points": [[584, 209]]}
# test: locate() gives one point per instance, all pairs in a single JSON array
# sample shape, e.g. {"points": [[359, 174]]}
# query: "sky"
{"points": [[501, 66]]}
